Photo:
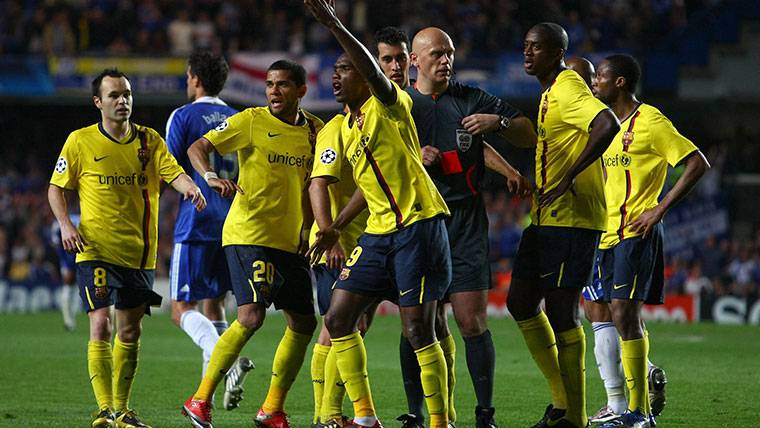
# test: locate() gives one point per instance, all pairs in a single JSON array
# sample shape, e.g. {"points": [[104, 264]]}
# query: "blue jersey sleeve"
{"points": [[176, 135]]}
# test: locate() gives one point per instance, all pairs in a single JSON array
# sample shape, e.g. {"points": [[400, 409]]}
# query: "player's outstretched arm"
{"points": [[70, 237], [516, 183], [198, 154], [381, 87], [189, 190], [696, 165], [604, 127]]}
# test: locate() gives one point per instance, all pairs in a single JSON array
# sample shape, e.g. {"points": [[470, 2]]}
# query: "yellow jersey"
{"points": [[567, 109], [331, 163], [275, 161], [636, 164], [384, 152], [118, 183]]}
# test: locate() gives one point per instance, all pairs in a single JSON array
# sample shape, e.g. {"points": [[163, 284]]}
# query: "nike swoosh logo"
{"points": [[272, 135], [546, 274], [617, 287], [405, 292], [431, 395], [93, 377], [98, 159]]}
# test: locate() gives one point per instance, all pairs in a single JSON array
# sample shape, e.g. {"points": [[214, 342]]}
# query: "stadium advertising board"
{"points": [[164, 76], [25, 297], [731, 310]]}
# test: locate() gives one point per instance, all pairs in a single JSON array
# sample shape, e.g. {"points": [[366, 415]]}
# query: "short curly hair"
{"points": [[210, 69]]}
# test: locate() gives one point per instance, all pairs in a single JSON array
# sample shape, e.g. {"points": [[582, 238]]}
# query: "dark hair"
{"points": [[627, 67], [296, 70], [108, 72], [210, 69], [555, 34], [391, 36]]}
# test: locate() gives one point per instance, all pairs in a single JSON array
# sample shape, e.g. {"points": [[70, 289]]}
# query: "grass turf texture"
{"points": [[713, 373]]}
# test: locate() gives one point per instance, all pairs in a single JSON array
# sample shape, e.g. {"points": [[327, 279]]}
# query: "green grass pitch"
{"points": [[714, 374]]}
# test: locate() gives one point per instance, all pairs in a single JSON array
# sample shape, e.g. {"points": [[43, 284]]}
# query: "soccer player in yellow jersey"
{"points": [[630, 260], [115, 167], [556, 251], [405, 241], [332, 186], [264, 235]]}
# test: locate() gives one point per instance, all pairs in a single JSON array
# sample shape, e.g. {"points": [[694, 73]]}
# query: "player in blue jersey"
{"points": [[67, 264], [198, 267]]}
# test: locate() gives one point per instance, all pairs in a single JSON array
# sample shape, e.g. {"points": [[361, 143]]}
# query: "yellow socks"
{"points": [[318, 357], [571, 347], [449, 348], [225, 353], [124, 370], [434, 377], [542, 345], [99, 366], [288, 360], [334, 391], [351, 358], [635, 354]]}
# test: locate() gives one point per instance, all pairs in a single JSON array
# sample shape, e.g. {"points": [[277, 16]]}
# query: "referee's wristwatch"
{"points": [[504, 122]]}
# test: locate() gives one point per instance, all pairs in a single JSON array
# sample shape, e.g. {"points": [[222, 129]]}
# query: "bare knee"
{"points": [[100, 324], [418, 334], [251, 316], [302, 323], [338, 324], [471, 324], [179, 308], [214, 309], [523, 300], [441, 322]]}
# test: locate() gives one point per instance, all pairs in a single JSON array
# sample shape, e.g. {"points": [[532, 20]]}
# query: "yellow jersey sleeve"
{"points": [[234, 133], [402, 106], [329, 150], [67, 167], [668, 142], [577, 105]]}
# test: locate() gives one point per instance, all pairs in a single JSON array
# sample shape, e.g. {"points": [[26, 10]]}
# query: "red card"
{"points": [[450, 162]]}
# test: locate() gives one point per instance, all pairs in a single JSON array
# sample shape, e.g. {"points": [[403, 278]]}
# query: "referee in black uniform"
{"points": [[451, 120]]}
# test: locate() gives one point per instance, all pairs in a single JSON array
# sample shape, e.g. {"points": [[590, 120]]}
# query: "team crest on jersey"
{"points": [[627, 138], [222, 126], [344, 274], [328, 156], [142, 155], [61, 165], [464, 140], [625, 160]]}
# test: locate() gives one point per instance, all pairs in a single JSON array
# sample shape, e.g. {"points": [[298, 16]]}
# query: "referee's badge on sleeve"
{"points": [[61, 165], [464, 140]]}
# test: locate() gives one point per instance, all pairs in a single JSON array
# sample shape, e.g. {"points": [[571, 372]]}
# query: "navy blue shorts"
{"points": [[103, 284], [468, 240], [198, 271], [67, 261], [412, 265], [269, 276], [634, 269], [556, 257], [325, 279]]}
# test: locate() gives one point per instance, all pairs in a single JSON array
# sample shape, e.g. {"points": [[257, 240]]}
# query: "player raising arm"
{"points": [[405, 214]]}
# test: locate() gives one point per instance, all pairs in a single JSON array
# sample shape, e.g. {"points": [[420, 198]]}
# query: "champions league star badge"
{"points": [[464, 140]]}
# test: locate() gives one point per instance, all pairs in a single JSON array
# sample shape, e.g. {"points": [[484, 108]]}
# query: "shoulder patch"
{"points": [[328, 156], [222, 126], [61, 165]]}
